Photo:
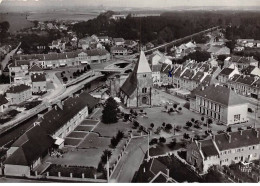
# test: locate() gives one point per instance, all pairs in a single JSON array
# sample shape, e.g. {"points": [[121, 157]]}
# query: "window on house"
{"points": [[237, 117], [144, 90]]}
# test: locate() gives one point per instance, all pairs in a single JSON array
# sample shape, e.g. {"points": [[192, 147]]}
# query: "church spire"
{"points": [[142, 66]]}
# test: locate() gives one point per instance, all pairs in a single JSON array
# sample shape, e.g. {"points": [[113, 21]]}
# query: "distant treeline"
{"points": [[171, 25]]}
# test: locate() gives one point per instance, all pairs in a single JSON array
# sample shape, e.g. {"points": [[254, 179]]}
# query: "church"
{"points": [[137, 89]]}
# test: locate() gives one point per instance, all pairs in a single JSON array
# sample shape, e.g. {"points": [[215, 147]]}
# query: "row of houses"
{"points": [[225, 149], [251, 43], [48, 133], [62, 59]]}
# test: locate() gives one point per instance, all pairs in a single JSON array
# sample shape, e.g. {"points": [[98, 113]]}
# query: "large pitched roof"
{"points": [[248, 70], [3, 100], [208, 148], [18, 88], [221, 95], [245, 138], [31, 145], [18, 63], [198, 76], [57, 117], [248, 80], [226, 71], [35, 68], [38, 77], [239, 59], [141, 66]]}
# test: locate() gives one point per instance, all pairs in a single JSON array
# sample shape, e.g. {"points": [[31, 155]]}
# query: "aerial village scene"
{"points": [[98, 92]]}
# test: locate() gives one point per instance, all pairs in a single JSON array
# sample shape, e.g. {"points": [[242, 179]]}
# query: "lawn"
{"points": [[94, 141], [72, 142], [83, 128], [110, 130], [77, 135]]}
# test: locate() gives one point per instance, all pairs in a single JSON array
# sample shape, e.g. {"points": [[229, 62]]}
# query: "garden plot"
{"points": [[72, 141], [83, 128], [89, 122], [80, 135], [94, 141]]}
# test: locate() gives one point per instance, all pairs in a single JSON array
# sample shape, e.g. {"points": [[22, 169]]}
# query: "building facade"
{"points": [[18, 94]]}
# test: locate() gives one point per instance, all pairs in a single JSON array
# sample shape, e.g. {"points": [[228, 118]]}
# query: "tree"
{"points": [[175, 106], [186, 136], [192, 119], [100, 167], [88, 67], [106, 155], [229, 129], [179, 108], [202, 118], [173, 143], [154, 141], [119, 135], [65, 79], [210, 121], [136, 124], [163, 124], [162, 140], [114, 142], [110, 111], [152, 125], [188, 124], [168, 127]]}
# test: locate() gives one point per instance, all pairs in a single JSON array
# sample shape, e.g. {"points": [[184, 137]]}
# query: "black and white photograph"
{"points": [[129, 91]]}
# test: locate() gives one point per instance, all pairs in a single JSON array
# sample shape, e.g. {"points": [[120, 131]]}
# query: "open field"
{"points": [[17, 21]]}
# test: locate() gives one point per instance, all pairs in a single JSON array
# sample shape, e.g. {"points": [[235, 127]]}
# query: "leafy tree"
{"points": [[192, 119], [100, 167], [65, 79], [106, 155], [175, 106], [188, 124], [186, 136], [179, 108], [88, 67], [136, 124], [229, 129], [114, 142], [119, 135], [210, 121], [162, 140], [163, 124], [202, 118], [110, 111], [168, 127], [152, 125], [173, 143], [153, 141]]}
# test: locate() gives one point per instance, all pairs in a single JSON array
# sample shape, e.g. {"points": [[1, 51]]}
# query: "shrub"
{"points": [[162, 140], [163, 124], [202, 118], [250, 110], [114, 142], [192, 119], [136, 124], [106, 155], [188, 124], [152, 125], [168, 127], [179, 108], [154, 141], [186, 136], [119, 135], [175, 106], [100, 167], [141, 128], [210, 121]]}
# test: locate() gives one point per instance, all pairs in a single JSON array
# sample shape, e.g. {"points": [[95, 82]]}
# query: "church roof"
{"points": [[141, 66]]}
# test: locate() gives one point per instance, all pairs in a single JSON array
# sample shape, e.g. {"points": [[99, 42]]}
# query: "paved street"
{"points": [[7, 57], [130, 161]]}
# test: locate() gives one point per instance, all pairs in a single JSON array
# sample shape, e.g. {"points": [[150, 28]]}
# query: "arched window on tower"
{"points": [[144, 90]]}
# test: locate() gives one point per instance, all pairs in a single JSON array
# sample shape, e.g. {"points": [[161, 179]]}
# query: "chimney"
{"points": [[229, 137], [241, 132], [144, 169], [55, 107], [168, 173], [202, 88]]}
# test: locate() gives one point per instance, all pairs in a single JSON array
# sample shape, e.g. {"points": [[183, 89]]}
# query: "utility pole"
{"points": [[107, 170], [148, 151], [256, 110]]}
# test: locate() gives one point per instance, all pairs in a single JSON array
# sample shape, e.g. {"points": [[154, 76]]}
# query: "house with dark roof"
{"points": [[35, 69], [18, 94], [118, 41], [251, 70], [153, 171], [137, 89], [226, 74], [39, 83], [219, 103], [225, 149], [245, 85], [240, 62], [118, 51], [27, 152], [3, 103]]}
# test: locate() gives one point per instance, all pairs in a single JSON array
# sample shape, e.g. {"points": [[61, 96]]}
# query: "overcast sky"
{"points": [[140, 3]]}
